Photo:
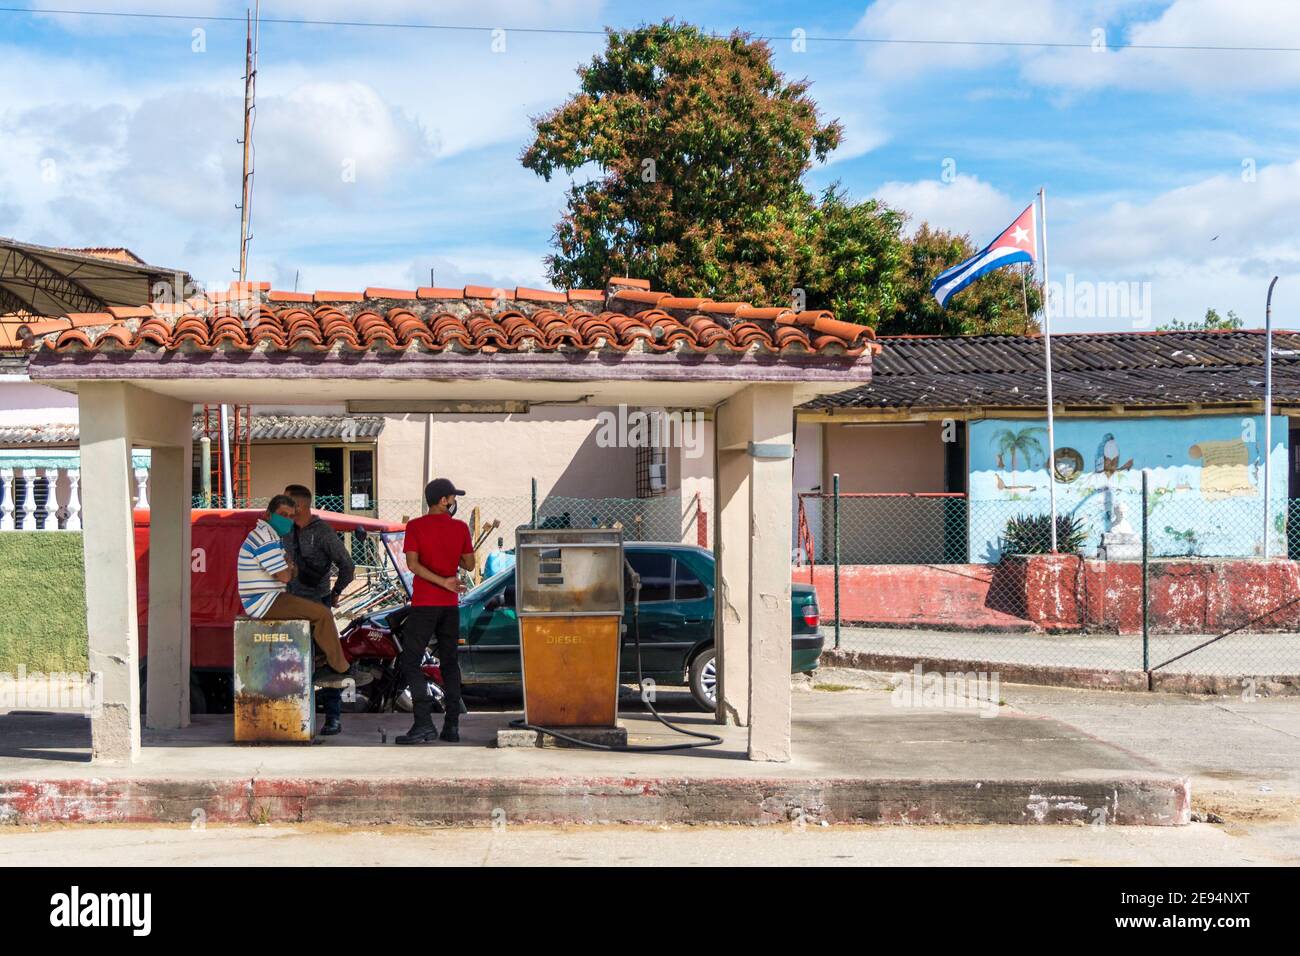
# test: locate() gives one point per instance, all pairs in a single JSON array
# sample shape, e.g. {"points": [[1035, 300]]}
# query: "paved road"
{"points": [[1239, 654], [1243, 757], [1196, 845]]}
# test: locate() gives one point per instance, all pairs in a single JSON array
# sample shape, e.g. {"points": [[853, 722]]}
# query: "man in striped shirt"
{"points": [[264, 575]]}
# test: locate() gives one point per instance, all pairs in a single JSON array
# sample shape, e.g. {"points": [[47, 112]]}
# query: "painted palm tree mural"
{"points": [[1024, 443]]}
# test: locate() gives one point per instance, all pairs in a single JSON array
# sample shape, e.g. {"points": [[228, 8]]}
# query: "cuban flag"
{"points": [[1016, 244]]}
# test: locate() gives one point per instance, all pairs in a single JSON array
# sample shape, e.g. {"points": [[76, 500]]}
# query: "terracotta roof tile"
{"points": [[645, 297], [9, 340], [625, 317], [377, 292], [131, 311], [79, 319], [540, 295], [725, 308]]}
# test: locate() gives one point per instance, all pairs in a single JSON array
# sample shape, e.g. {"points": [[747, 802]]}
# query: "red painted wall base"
{"points": [[1067, 593]]}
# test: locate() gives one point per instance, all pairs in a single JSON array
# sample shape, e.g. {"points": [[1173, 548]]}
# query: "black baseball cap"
{"points": [[438, 489]]}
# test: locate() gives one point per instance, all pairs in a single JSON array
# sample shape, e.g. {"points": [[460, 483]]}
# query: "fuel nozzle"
{"points": [[636, 583]]}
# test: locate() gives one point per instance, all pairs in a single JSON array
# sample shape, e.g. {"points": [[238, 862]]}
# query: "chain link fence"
{"points": [[1165, 582], [494, 521]]}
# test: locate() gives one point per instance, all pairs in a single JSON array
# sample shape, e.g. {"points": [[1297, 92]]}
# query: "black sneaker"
{"points": [[418, 735], [332, 726], [450, 731]]}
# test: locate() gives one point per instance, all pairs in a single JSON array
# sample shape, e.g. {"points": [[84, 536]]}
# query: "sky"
{"points": [[384, 155]]}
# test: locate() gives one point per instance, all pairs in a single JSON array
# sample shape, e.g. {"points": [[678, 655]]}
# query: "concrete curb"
{"points": [[1148, 800], [1280, 685], [1008, 673]]}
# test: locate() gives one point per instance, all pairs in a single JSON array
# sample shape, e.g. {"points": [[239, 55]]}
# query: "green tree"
{"points": [[994, 303], [857, 258], [700, 147], [1212, 321]]}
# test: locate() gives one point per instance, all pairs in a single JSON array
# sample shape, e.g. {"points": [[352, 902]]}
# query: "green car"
{"points": [[676, 625]]}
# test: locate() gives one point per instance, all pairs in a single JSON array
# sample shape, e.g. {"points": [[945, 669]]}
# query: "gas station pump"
{"points": [[569, 596]]}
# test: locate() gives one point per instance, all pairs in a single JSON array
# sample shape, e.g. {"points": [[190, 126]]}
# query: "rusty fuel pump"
{"points": [[570, 587]]}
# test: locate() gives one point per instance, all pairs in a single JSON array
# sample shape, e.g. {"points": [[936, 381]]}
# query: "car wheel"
{"points": [[704, 680]]}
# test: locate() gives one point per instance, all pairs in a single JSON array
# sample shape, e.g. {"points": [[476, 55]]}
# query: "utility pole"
{"points": [[250, 96], [251, 37]]}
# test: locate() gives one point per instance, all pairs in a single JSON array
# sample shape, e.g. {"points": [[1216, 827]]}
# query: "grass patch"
{"points": [[42, 601], [834, 688]]}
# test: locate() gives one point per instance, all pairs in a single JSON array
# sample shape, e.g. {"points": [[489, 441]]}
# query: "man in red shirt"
{"points": [[437, 547]]}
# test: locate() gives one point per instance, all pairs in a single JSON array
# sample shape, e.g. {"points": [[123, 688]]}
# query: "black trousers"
{"points": [[422, 625]]}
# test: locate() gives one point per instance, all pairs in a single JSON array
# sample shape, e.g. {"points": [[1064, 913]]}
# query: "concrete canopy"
{"points": [[138, 374]]}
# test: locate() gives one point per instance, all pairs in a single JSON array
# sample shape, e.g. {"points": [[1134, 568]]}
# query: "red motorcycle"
{"points": [[372, 643]]}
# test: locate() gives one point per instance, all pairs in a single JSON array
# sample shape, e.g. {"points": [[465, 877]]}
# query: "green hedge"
{"points": [[42, 601]]}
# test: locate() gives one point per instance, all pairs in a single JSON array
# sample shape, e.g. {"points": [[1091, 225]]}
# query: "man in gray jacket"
{"points": [[316, 549]]}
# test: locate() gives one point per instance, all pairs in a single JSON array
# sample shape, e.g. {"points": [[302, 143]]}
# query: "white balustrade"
{"points": [[29, 500], [141, 489], [74, 501], [7, 499], [50, 516], [29, 516]]}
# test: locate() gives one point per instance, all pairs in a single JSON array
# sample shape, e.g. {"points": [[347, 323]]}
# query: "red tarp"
{"points": [[215, 538]]}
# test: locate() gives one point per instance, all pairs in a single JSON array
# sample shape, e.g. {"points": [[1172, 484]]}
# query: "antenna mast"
{"points": [[250, 97], [228, 467]]}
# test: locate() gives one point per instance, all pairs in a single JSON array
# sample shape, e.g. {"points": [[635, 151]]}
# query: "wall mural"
{"points": [[1205, 486]]}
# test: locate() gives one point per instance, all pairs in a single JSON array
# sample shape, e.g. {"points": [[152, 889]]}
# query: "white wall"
{"points": [[23, 403]]}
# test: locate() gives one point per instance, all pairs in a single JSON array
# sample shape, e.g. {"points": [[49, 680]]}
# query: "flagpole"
{"points": [[1268, 404], [1047, 349]]}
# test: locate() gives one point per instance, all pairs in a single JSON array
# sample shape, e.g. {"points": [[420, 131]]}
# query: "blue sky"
{"points": [[382, 154]]}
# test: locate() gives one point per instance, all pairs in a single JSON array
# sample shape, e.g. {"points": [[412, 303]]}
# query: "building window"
{"points": [[651, 471]]}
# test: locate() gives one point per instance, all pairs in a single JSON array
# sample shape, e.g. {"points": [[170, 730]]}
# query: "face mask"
{"points": [[281, 524], [451, 508]]}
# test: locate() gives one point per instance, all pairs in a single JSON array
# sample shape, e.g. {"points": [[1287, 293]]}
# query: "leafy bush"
{"points": [[1032, 534]]}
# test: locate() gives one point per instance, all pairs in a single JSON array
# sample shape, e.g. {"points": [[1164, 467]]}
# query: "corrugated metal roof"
{"points": [[310, 427], [38, 435], [1111, 368], [345, 428]]}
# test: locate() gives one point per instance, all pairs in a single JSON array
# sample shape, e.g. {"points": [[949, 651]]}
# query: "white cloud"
{"points": [[1249, 220], [1185, 23], [327, 137], [958, 20], [966, 205]]}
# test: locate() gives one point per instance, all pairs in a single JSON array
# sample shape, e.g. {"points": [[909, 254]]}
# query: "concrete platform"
{"points": [[858, 759]]}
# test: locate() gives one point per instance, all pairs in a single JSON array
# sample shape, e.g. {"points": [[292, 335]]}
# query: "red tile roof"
{"points": [[113, 253], [625, 316]]}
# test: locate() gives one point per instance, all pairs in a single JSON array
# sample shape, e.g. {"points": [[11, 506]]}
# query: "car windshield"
{"points": [[394, 546], [489, 584]]}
